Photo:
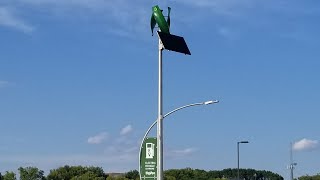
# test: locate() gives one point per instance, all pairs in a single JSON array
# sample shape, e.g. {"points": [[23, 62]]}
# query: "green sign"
{"points": [[148, 157]]}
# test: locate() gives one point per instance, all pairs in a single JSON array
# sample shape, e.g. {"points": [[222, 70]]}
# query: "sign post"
{"points": [[148, 158]]}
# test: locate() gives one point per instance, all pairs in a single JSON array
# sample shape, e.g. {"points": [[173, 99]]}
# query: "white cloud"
{"points": [[210, 3], [121, 149], [53, 5], [227, 33], [116, 162], [98, 139], [182, 152], [124, 140], [117, 156], [8, 19], [220, 6], [4, 84], [126, 130], [133, 149], [127, 17], [305, 144], [64, 2]]}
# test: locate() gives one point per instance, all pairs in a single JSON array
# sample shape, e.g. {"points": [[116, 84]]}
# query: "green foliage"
{"points": [[168, 177], [97, 173], [132, 175], [197, 174], [9, 176], [181, 174], [76, 173], [88, 176], [117, 178], [315, 177], [31, 173]]}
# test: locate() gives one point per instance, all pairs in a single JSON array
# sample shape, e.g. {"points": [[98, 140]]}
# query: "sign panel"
{"points": [[148, 157]]}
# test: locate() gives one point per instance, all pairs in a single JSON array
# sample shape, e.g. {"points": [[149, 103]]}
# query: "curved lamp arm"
{"points": [[155, 122]]}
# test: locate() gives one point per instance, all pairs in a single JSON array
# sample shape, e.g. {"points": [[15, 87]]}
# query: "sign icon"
{"points": [[149, 150], [148, 159]]}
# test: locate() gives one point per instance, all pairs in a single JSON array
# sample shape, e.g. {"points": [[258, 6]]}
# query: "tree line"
{"points": [[97, 173], [198, 174], [307, 177]]}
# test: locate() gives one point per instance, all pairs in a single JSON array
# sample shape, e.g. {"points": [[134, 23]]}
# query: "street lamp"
{"points": [[292, 164], [171, 112], [169, 42], [240, 142]]}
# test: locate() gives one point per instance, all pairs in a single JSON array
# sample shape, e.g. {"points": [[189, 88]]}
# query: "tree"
{"points": [[116, 178], [31, 173], [88, 176], [76, 173], [9, 176], [315, 177], [200, 174], [132, 175], [168, 177], [197, 174]]}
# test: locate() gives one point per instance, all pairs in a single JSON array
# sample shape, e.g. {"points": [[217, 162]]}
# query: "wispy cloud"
{"points": [[121, 146], [117, 157], [223, 7], [125, 140], [305, 145], [4, 84], [182, 152], [84, 3], [117, 162], [126, 130], [9, 19], [98, 139], [128, 17], [227, 33]]}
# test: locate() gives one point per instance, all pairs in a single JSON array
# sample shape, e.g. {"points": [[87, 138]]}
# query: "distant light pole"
{"points": [[292, 164], [240, 142]]}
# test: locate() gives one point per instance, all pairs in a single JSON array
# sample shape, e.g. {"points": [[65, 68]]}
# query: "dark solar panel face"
{"points": [[174, 43]]}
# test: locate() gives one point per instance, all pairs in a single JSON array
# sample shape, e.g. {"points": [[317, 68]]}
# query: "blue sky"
{"points": [[78, 83]]}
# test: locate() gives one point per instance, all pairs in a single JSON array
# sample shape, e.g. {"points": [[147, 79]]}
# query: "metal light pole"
{"points": [[169, 42], [292, 164], [160, 118], [171, 112], [243, 142]]}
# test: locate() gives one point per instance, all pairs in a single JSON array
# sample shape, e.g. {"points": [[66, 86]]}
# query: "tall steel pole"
{"points": [[239, 157], [238, 177], [160, 119], [291, 162]]}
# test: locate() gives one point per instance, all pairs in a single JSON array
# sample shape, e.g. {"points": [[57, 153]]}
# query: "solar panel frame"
{"points": [[174, 43]]}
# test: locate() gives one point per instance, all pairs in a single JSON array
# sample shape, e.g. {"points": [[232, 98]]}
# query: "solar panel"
{"points": [[174, 43]]}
